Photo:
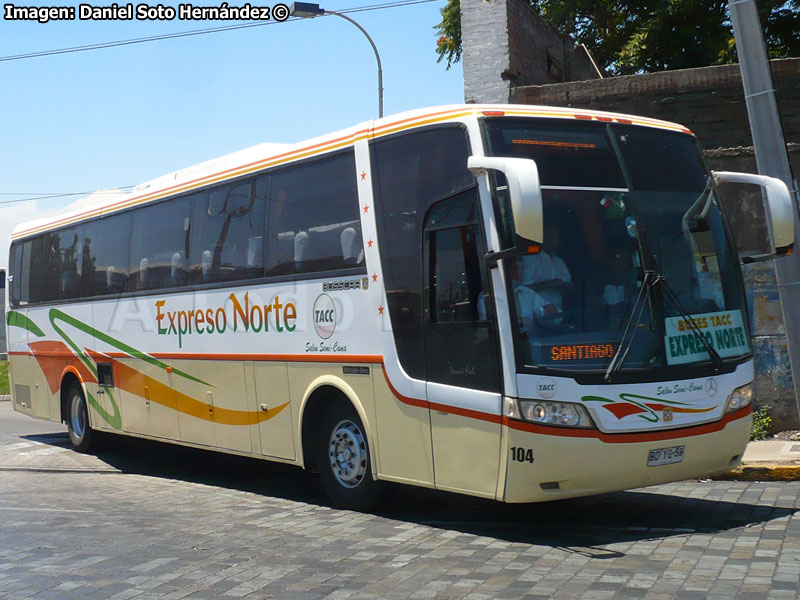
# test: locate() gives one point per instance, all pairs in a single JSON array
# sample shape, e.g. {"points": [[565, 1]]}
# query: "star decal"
{"points": [[369, 243], [380, 309], [366, 208], [374, 277], [363, 175]]}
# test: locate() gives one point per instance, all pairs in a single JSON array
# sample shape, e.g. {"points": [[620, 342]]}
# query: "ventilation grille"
{"points": [[22, 395]]}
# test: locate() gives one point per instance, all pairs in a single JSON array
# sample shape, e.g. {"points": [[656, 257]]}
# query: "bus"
{"points": [[519, 303]]}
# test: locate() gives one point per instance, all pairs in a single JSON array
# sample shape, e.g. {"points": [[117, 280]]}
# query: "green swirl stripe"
{"points": [[17, 319], [130, 350]]}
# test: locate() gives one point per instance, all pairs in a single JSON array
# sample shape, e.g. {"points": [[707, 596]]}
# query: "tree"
{"points": [[630, 36]]}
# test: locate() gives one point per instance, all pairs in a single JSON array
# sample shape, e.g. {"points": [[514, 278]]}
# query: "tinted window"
{"points": [[227, 234], [31, 271], [110, 259], [88, 270], [411, 172], [456, 281], [15, 263], [314, 222], [62, 264], [159, 245], [661, 161], [566, 153]]}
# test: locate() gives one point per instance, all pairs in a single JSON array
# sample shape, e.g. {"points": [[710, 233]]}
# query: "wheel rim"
{"points": [[347, 450], [77, 417]]}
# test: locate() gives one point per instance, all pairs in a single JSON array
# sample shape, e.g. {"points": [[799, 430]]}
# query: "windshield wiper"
{"points": [[712, 352], [650, 279]]}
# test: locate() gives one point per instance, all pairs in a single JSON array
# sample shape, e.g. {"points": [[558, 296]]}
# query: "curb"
{"points": [[5, 398], [761, 473]]}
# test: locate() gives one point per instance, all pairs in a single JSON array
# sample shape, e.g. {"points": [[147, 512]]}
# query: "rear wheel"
{"points": [[343, 459], [81, 434]]}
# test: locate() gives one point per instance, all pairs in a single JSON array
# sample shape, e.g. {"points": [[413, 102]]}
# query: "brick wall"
{"points": [[505, 45], [708, 100]]}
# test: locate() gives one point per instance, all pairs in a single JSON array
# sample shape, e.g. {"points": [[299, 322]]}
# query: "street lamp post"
{"points": [[309, 10]]}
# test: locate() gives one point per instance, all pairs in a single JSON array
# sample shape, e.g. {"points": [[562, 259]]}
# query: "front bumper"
{"points": [[569, 462]]}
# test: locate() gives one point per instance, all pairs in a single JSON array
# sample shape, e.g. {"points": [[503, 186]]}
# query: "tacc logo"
{"points": [[546, 387], [324, 316]]}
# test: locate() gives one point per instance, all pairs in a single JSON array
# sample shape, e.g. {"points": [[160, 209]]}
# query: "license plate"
{"points": [[665, 456]]}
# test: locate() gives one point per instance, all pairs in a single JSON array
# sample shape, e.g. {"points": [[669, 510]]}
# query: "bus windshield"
{"points": [[637, 270]]}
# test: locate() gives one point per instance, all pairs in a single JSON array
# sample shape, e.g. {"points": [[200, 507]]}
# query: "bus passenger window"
{"points": [[63, 259], [15, 262], [313, 218], [110, 260], [159, 243], [227, 234]]}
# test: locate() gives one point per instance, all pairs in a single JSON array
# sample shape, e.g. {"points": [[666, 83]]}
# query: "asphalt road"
{"points": [[147, 520]]}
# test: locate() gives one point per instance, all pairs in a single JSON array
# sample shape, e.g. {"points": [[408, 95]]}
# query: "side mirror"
{"points": [[779, 209], [523, 190]]}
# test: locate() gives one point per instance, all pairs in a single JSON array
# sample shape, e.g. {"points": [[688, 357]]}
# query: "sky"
{"points": [[117, 117]]}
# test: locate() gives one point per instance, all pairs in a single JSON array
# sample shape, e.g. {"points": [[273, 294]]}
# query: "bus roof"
{"points": [[262, 156]]}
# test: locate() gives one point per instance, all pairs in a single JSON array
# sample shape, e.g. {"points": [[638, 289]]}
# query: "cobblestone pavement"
{"points": [[145, 520]]}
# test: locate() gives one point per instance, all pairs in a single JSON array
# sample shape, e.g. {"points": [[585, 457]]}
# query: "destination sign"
{"points": [[724, 331], [581, 351]]}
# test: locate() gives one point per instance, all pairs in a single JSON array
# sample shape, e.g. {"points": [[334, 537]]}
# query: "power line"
{"points": [[194, 32], [49, 194], [57, 195]]}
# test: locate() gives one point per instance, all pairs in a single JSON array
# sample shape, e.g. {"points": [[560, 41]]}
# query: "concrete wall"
{"points": [[506, 45]]}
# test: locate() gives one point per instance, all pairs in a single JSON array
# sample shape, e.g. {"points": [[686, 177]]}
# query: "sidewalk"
{"points": [[769, 460]]}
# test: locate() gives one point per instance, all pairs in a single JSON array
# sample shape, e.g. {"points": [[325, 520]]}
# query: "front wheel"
{"points": [[81, 434], [343, 460]]}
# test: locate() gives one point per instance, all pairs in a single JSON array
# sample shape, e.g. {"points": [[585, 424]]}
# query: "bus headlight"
{"points": [[739, 398], [564, 414]]}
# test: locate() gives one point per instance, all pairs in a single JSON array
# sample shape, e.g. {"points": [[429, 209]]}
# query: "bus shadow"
{"points": [[582, 525]]}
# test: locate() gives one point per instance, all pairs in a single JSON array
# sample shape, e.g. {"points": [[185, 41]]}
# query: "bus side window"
{"points": [[110, 261], [31, 271], [62, 264], [15, 262], [159, 244], [313, 219], [227, 234]]}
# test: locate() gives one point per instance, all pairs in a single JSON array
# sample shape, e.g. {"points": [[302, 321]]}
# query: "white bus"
{"points": [[514, 302]]}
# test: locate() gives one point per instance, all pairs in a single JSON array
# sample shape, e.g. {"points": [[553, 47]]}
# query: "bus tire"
{"points": [[81, 435], [343, 459]]}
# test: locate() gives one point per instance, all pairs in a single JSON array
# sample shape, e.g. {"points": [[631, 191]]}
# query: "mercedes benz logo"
{"points": [[711, 386]]}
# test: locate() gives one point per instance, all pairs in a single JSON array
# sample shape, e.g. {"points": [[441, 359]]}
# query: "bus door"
{"points": [[463, 374]]}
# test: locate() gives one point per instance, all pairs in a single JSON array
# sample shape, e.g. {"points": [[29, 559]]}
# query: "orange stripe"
{"points": [[139, 384], [404, 399]]}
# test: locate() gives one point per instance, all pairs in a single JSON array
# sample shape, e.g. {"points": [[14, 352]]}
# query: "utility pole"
{"points": [[771, 158]]}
